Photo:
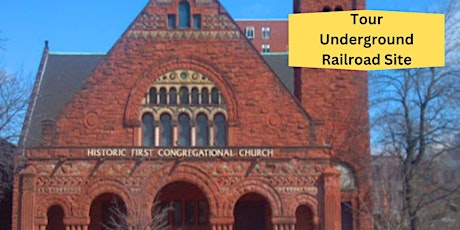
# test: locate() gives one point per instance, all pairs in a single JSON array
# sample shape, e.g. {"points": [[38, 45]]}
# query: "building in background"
{"points": [[268, 36], [183, 110]]}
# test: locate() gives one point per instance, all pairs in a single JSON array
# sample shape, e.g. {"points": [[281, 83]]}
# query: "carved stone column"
{"points": [[332, 215], [41, 223], [27, 186], [283, 223], [223, 223], [76, 223]]}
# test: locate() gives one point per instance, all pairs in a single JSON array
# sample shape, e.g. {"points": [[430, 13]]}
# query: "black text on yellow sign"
{"points": [[366, 40]]}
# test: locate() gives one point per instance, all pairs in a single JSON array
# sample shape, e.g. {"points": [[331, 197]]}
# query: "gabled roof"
{"points": [[63, 75]]}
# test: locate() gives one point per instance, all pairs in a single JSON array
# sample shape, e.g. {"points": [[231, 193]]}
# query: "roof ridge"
{"points": [[78, 53], [261, 19]]}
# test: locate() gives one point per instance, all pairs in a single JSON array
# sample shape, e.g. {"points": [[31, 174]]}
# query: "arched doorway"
{"points": [[190, 208], [55, 218], [252, 211], [304, 218], [108, 211]]}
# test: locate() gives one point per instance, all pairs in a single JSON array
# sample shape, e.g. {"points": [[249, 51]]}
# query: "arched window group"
{"points": [[183, 108], [186, 96], [183, 131], [185, 18]]}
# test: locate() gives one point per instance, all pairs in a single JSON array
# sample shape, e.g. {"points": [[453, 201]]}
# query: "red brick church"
{"points": [[184, 111]]}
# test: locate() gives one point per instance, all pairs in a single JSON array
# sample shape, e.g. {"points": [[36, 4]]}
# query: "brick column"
{"points": [[26, 216], [332, 215]]}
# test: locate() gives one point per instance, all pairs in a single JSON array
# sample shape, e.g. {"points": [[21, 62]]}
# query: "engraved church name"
{"points": [[180, 153]]}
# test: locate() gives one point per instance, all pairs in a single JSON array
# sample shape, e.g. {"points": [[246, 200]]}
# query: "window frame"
{"points": [[266, 48], [171, 131], [266, 32], [151, 127], [250, 32], [184, 14], [196, 21], [172, 21]]}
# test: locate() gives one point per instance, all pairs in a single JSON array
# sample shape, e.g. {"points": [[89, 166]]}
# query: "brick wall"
{"points": [[261, 111], [337, 101]]}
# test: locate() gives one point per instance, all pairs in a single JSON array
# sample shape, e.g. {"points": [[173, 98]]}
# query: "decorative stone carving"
{"points": [[150, 22], [218, 21], [115, 168], [167, 34], [91, 120], [203, 1], [274, 120], [347, 178], [230, 169]]}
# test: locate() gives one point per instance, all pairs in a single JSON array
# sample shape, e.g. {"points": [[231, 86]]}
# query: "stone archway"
{"points": [[304, 218], [108, 211], [190, 207], [55, 215], [252, 211]]}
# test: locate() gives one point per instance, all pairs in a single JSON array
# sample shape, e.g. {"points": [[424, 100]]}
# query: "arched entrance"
{"points": [[189, 204], [55, 218], [252, 211], [108, 211], [304, 218]]}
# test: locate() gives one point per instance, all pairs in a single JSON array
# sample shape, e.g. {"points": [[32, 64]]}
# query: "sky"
{"points": [[93, 26]]}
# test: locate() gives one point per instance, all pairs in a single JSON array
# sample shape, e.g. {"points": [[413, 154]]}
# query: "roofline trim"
{"points": [[274, 53], [26, 133], [261, 19], [78, 53]]}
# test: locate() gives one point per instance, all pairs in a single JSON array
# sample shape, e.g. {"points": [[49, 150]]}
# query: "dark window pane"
{"points": [[196, 21], [166, 130], [220, 131], [163, 95], [202, 212], [177, 213], [55, 218], [153, 96], [202, 130], [184, 130], [190, 213], [148, 131], [173, 96], [214, 96], [195, 96], [184, 15], [205, 96], [347, 216], [184, 96], [171, 21]]}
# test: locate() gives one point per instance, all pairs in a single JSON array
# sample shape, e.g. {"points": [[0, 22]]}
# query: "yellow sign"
{"points": [[366, 40]]}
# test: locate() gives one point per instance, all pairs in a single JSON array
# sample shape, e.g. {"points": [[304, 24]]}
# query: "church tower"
{"points": [[337, 101]]}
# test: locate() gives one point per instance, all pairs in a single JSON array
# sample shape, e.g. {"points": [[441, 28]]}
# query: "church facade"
{"points": [[184, 112]]}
